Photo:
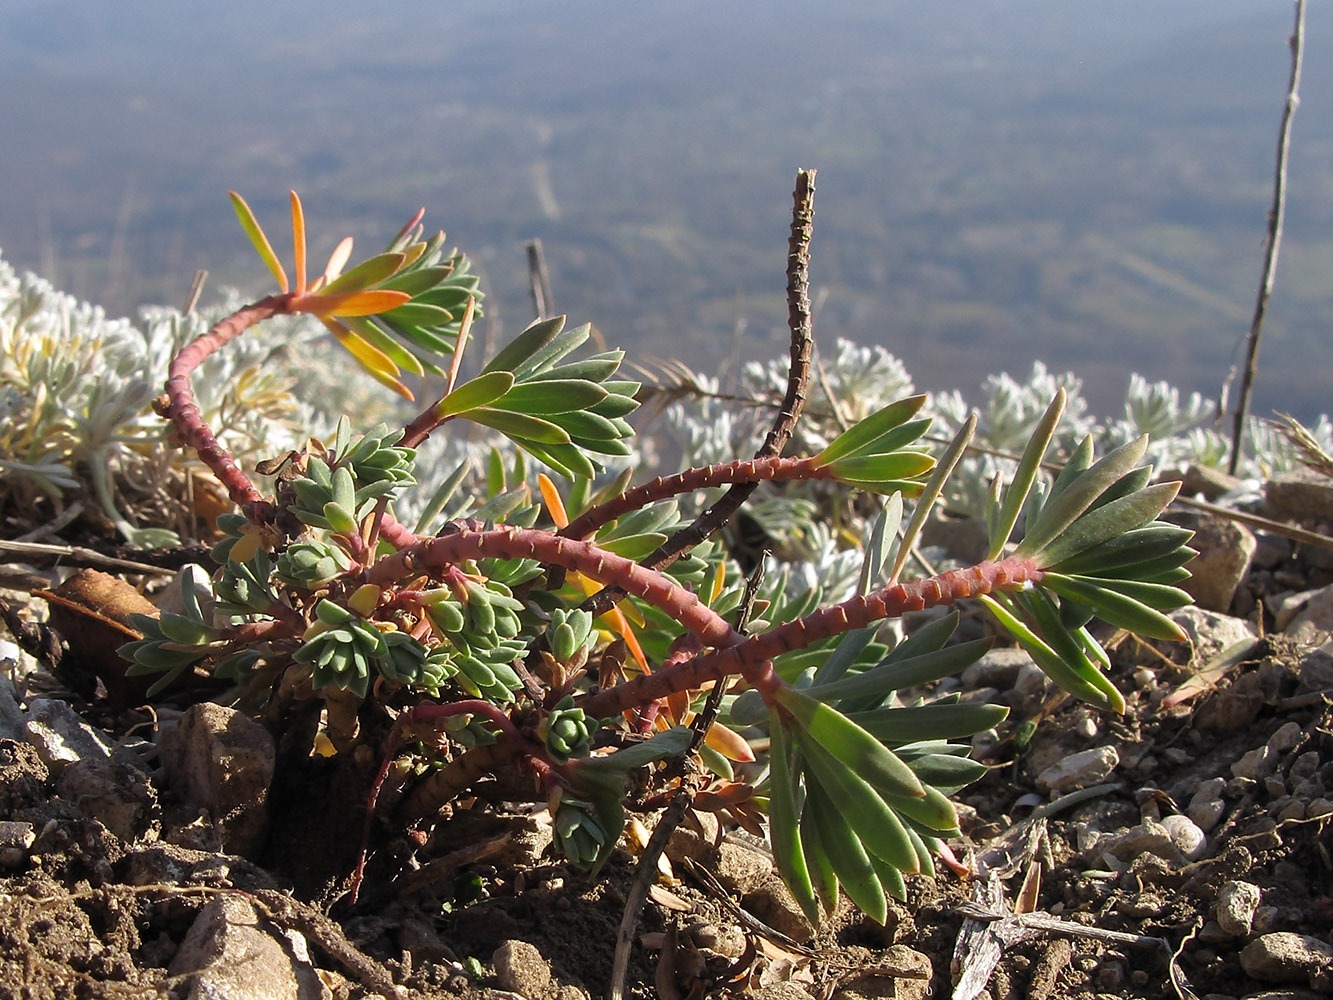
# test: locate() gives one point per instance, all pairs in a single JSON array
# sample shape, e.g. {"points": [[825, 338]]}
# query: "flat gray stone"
{"points": [[1079, 770], [232, 953], [61, 736], [1286, 957]]}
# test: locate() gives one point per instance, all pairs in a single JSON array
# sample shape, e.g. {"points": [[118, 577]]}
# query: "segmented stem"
{"points": [[889, 602], [182, 410], [435, 554], [754, 470]]}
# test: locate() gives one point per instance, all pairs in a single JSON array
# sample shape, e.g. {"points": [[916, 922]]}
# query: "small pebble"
{"points": [[1258, 763], [1318, 808], [1206, 814], [1236, 905], [1186, 835], [1288, 737]]}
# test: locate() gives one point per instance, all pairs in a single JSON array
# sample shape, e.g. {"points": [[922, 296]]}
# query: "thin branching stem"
{"points": [[1276, 214]]}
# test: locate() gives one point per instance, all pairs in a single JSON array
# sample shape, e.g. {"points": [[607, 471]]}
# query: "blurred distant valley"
{"points": [[998, 183]]}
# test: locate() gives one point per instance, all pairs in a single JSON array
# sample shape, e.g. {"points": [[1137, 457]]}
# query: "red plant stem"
{"points": [[915, 595], [1013, 573], [397, 534], [755, 470], [474, 706], [182, 410], [435, 555]]}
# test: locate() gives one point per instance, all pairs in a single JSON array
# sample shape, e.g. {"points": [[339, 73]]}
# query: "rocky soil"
{"points": [[1180, 850]]}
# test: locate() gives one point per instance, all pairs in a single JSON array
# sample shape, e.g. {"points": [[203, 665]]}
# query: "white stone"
{"points": [[1079, 770], [1188, 837]]}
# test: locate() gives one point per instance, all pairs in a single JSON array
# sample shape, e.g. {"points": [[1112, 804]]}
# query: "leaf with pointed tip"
{"points": [[298, 243], [548, 355], [850, 744], [860, 807], [367, 274], [947, 772], [822, 875], [846, 854], [418, 281], [418, 314], [894, 675], [931, 491], [890, 879], [1116, 607], [844, 654], [918, 722], [1052, 665], [519, 425], [522, 347], [257, 238], [443, 494], [481, 391], [1070, 503], [1002, 525], [933, 814], [374, 361], [1139, 545], [566, 459], [783, 829], [377, 338], [864, 432], [1106, 522], [557, 396], [597, 368]]}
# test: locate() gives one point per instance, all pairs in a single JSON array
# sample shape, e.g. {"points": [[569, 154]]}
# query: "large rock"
{"points": [[1225, 550], [1285, 957], [232, 953], [520, 968], [1302, 497], [224, 762], [1079, 770]]}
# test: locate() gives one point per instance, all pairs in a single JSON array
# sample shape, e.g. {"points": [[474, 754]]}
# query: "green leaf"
{"points": [[546, 356], [1064, 508], [850, 744], [1106, 522], [923, 722], [1025, 475], [890, 879], [822, 875], [366, 274], [554, 396], [1120, 609], [947, 772], [783, 831], [1076, 682], [1140, 545], [931, 492], [597, 368], [894, 675], [846, 854], [377, 338], [893, 467], [865, 431], [566, 459], [519, 425], [876, 826], [419, 315], [844, 654], [261, 244], [481, 391], [531, 340]]}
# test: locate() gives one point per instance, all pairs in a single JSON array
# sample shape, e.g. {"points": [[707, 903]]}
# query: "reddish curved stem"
{"points": [[182, 410], [754, 470], [889, 602], [435, 554]]}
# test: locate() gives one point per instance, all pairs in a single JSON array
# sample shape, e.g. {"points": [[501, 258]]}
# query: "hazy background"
{"points": [[998, 181]]}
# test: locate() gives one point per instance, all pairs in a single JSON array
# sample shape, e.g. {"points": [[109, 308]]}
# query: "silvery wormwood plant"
{"points": [[576, 638]]}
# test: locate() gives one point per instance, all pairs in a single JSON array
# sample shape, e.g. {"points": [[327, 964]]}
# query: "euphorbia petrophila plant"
{"points": [[496, 642]]}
